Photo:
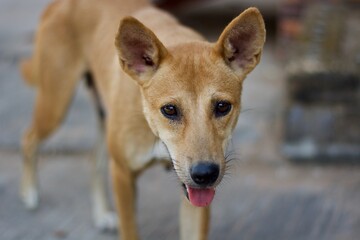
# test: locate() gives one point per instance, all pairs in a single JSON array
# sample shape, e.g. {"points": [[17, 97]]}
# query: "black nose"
{"points": [[204, 174]]}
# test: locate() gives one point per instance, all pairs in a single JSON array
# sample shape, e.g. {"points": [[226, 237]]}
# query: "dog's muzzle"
{"points": [[204, 175]]}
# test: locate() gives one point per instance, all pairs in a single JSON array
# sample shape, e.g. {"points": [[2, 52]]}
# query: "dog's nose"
{"points": [[204, 174]]}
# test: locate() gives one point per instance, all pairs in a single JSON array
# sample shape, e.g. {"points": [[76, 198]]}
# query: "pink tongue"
{"points": [[201, 197]]}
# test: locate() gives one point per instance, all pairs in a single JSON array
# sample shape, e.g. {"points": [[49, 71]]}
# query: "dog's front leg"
{"points": [[194, 221], [124, 192], [104, 218]]}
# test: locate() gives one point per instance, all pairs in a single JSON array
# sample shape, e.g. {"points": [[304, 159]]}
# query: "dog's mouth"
{"points": [[199, 197]]}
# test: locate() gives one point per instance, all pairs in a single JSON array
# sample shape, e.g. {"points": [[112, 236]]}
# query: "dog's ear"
{"points": [[140, 51], [241, 43]]}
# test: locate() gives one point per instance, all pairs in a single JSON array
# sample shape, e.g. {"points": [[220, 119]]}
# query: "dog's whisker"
{"points": [[246, 110]]}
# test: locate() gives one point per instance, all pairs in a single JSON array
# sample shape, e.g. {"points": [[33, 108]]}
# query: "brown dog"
{"points": [[165, 86]]}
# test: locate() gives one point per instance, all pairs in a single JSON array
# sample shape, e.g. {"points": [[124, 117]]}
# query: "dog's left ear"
{"points": [[241, 43], [140, 51]]}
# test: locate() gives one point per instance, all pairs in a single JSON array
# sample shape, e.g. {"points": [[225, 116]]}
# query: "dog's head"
{"points": [[191, 94]]}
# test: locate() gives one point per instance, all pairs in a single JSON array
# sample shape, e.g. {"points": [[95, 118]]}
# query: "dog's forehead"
{"points": [[193, 59], [193, 69]]}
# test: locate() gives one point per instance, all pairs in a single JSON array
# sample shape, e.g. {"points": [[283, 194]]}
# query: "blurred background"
{"points": [[297, 143]]}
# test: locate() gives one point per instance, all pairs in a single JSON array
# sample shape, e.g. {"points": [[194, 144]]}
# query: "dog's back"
{"points": [[89, 27], [80, 19]]}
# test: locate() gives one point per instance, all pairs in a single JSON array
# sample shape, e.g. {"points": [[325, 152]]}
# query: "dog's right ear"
{"points": [[140, 51]]}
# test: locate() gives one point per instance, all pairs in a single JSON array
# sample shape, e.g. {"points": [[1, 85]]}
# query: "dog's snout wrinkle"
{"points": [[205, 174]]}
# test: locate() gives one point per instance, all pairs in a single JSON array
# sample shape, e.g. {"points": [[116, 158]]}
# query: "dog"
{"points": [[164, 95]]}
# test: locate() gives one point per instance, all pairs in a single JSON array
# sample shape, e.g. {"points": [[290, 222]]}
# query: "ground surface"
{"points": [[257, 202], [263, 197]]}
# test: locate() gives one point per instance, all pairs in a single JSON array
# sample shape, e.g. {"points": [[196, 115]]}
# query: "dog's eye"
{"points": [[222, 108], [170, 111]]}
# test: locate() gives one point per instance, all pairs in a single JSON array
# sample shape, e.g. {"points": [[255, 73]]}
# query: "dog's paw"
{"points": [[107, 221], [30, 198]]}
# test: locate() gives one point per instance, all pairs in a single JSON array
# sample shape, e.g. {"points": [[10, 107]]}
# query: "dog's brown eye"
{"points": [[222, 108], [170, 111]]}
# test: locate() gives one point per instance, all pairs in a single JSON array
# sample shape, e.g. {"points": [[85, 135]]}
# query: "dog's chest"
{"points": [[157, 152]]}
